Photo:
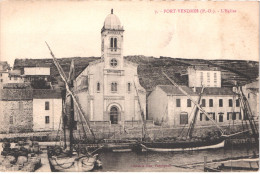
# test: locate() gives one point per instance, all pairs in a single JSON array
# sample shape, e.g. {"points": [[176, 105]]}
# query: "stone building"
{"points": [[168, 105], [47, 109], [106, 88], [16, 110]]}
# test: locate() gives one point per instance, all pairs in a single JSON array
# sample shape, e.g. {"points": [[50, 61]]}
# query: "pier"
{"points": [[45, 163]]}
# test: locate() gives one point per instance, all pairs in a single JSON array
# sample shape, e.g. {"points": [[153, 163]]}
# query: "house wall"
{"points": [[253, 100], [37, 71], [39, 113], [21, 114], [4, 77], [157, 106], [195, 78], [157, 103]]}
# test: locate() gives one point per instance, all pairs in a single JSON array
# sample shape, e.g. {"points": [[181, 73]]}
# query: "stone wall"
{"points": [[16, 116]]}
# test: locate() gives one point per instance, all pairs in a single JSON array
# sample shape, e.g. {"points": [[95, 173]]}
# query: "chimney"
{"points": [[194, 89]]}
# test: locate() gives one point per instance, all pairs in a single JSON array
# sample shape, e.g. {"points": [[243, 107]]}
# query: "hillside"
{"points": [[150, 69]]}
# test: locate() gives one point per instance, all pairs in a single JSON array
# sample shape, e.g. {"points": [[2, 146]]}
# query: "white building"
{"points": [[251, 91], [106, 88], [168, 105], [204, 75], [4, 68], [15, 76], [47, 109]]}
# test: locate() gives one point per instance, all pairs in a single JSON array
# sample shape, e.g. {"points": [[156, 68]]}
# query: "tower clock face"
{"points": [[113, 62]]}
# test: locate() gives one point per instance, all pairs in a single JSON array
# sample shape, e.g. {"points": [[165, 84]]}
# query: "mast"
{"points": [[69, 91], [142, 114], [197, 105], [190, 131]]}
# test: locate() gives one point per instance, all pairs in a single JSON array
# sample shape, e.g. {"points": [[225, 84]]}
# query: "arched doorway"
{"points": [[114, 114]]}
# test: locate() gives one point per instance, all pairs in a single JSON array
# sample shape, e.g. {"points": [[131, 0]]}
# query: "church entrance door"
{"points": [[114, 115]]}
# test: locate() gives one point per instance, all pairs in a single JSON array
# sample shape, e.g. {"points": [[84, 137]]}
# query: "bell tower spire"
{"points": [[112, 42]]}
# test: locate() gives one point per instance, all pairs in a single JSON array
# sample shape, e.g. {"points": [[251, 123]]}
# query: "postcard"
{"points": [[129, 86]]}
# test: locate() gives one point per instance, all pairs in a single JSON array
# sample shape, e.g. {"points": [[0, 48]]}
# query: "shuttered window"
{"points": [[184, 118], [178, 102]]}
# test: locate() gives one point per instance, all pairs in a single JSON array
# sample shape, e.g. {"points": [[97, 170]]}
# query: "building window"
{"points": [[230, 103], [1, 80], [203, 103], [220, 102], [248, 95], [47, 119], [229, 115], [220, 118], [215, 79], [212, 115], [184, 118], [0, 74], [208, 79], [11, 119], [129, 87], [111, 42], [188, 103], [207, 118], [178, 102], [115, 42], [201, 116], [113, 62], [210, 102], [234, 116], [21, 106], [98, 87], [237, 103], [47, 105], [114, 87]]}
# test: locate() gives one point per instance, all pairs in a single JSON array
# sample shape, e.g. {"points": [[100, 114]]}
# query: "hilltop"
{"points": [[150, 69]]}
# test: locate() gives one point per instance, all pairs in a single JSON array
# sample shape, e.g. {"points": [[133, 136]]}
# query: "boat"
{"points": [[199, 144], [71, 156], [182, 146]]}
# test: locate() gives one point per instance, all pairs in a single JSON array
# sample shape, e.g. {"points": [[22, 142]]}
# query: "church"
{"points": [[108, 89]]}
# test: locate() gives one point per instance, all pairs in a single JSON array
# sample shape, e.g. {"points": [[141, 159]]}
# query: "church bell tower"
{"points": [[112, 43]]}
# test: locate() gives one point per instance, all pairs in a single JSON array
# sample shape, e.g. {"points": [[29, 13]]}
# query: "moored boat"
{"points": [[182, 146], [71, 157]]}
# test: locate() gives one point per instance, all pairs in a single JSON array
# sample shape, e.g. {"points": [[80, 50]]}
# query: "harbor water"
{"points": [[166, 161], [162, 161]]}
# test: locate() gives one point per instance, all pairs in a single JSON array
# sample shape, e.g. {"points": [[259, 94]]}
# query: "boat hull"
{"points": [[72, 164], [183, 146]]}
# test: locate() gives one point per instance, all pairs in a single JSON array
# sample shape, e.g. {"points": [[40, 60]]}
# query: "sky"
{"points": [[72, 28]]}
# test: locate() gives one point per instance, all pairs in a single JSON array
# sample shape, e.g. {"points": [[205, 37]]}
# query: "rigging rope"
{"points": [[60, 165], [202, 110]]}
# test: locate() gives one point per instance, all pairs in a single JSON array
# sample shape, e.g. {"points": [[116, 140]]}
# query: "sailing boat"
{"points": [[218, 142], [66, 159]]}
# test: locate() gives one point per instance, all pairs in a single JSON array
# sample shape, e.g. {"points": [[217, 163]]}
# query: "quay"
{"points": [[45, 167]]}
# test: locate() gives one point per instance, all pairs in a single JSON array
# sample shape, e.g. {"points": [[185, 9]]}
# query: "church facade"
{"points": [[108, 89]]}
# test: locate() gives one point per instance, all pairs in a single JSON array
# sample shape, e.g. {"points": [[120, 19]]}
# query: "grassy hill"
{"points": [[150, 69]]}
